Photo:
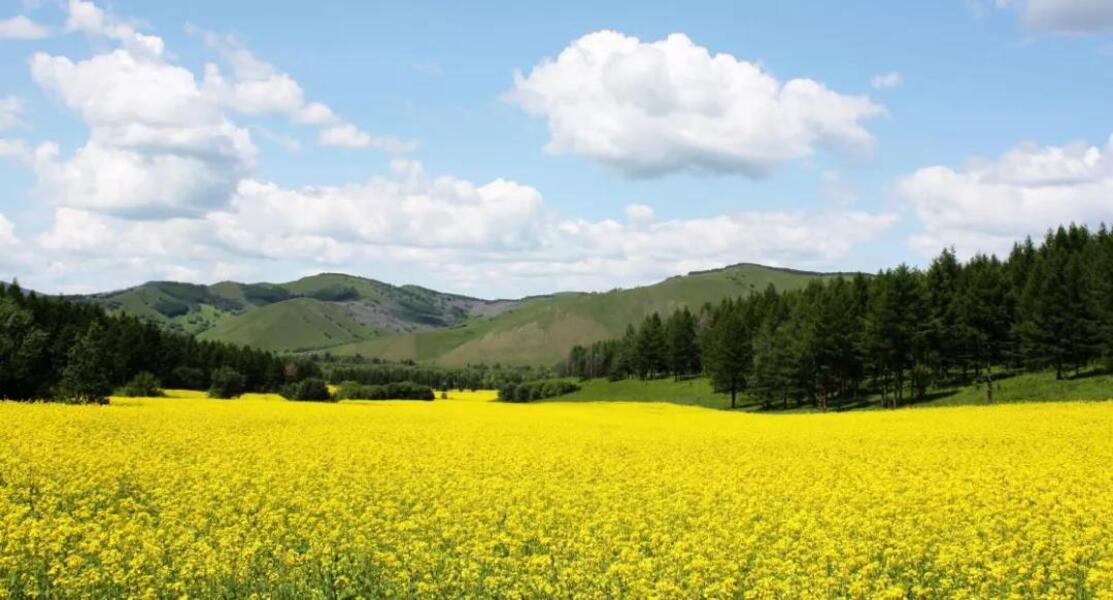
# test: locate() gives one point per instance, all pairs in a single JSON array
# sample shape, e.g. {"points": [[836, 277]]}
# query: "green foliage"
{"points": [[188, 378], [728, 350], [310, 389], [335, 293], [84, 379], [899, 336], [682, 343], [143, 385], [24, 352], [59, 349], [441, 378], [403, 390], [531, 391], [226, 383]]}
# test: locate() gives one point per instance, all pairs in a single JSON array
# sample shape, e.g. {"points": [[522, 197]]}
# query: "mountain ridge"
{"points": [[351, 315]]}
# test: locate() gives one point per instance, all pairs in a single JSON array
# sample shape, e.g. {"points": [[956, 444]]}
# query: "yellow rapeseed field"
{"points": [[460, 497]]}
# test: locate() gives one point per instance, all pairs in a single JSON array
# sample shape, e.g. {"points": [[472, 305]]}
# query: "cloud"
{"points": [[886, 81], [258, 87], [648, 109], [20, 27], [88, 18], [157, 143], [1064, 16], [350, 136], [14, 149], [11, 108], [7, 232], [408, 208], [499, 237], [496, 238], [639, 213], [166, 186], [989, 204]]}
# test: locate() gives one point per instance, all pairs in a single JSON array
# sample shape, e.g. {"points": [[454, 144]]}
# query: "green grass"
{"points": [[1033, 387], [692, 392], [292, 325], [1024, 387]]}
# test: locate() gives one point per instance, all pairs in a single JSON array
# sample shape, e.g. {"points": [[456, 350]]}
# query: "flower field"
{"points": [[463, 497]]}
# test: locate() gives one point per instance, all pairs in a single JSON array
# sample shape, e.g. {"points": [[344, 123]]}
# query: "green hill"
{"points": [[541, 330], [350, 315], [293, 325], [311, 313]]}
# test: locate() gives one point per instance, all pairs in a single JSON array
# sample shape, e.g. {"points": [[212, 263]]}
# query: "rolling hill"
{"points": [[541, 330], [349, 315], [311, 313]]}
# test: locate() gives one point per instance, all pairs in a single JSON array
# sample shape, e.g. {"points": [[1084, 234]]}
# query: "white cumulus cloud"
{"points": [[157, 143], [651, 108], [87, 17], [20, 27], [989, 204]]}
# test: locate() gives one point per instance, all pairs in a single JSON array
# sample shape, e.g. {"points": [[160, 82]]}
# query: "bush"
{"points": [[143, 385], [351, 390], [536, 390], [226, 383], [312, 389], [188, 378]]}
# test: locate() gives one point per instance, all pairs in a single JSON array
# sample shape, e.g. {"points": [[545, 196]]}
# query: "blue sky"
{"points": [[514, 148]]}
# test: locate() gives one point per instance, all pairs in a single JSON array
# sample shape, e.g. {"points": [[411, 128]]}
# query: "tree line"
{"points": [[472, 377], [56, 349], [896, 334]]}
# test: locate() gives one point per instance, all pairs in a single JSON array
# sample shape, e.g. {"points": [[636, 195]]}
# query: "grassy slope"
{"points": [[542, 330], [1026, 387], [300, 323], [248, 313]]}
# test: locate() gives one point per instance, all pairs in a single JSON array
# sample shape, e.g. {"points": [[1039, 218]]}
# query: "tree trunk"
{"points": [[733, 395]]}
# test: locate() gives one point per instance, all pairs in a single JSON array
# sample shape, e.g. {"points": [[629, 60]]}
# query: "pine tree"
{"points": [[683, 348], [652, 348], [984, 315], [627, 356], [728, 355], [23, 353], [85, 379], [945, 341]]}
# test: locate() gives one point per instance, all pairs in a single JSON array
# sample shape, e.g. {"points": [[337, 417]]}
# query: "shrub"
{"points": [[530, 391], [226, 383], [351, 390], [188, 378], [311, 389], [143, 385]]}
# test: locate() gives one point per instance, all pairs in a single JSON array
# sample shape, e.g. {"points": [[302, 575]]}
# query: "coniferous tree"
{"points": [[23, 352], [651, 348], [85, 379], [728, 353], [683, 347], [943, 282]]}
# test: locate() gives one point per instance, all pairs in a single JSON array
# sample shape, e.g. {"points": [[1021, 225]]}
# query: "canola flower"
{"points": [[190, 497]]}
